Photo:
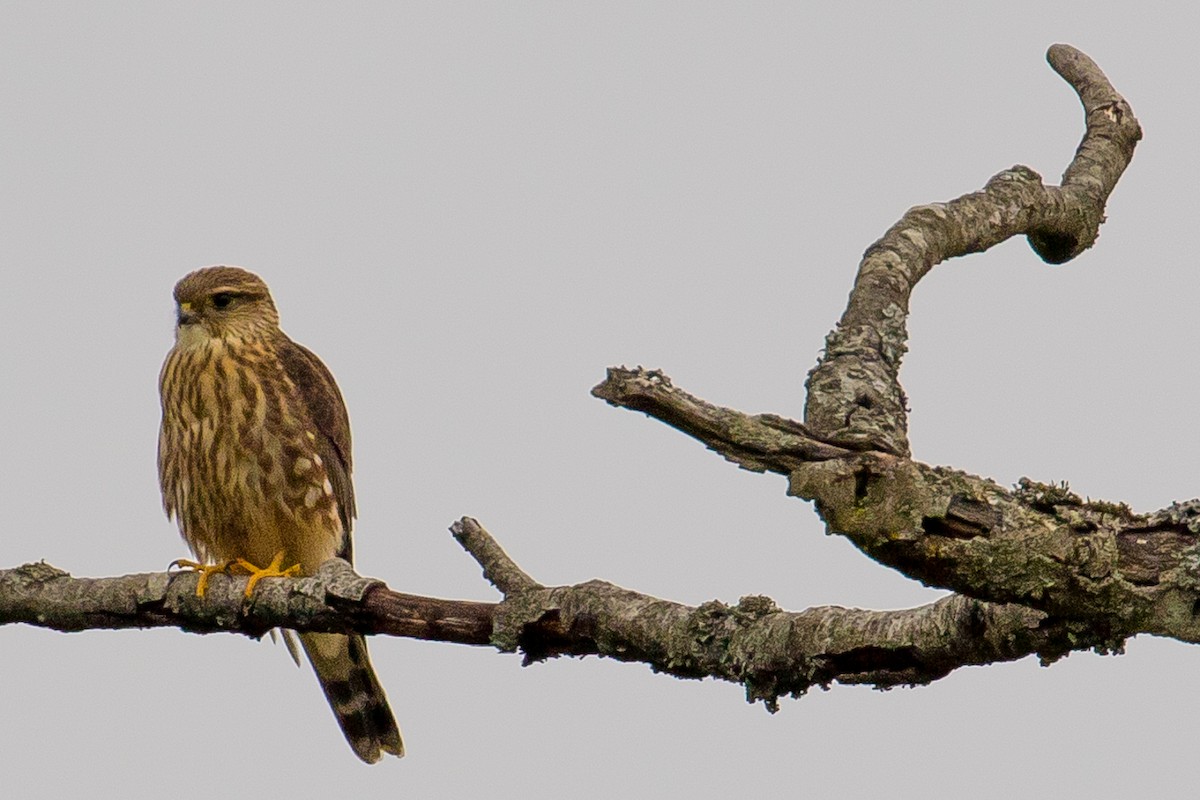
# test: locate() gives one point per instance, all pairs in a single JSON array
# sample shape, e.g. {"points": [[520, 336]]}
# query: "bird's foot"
{"points": [[204, 570], [272, 570]]}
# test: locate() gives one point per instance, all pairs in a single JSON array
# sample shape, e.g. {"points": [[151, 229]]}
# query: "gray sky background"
{"points": [[469, 211]]}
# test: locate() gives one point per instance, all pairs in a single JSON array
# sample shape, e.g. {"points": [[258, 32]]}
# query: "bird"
{"points": [[254, 464]]}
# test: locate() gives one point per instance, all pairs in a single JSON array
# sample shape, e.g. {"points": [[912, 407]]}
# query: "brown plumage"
{"points": [[254, 460]]}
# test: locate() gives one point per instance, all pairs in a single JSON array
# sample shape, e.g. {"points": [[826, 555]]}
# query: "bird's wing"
{"points": [[341, 662], [327, 410]]}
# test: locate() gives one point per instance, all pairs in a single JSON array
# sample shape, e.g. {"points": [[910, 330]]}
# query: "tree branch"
{"points": [[854, 395], [770, 652], [1039, 546]]}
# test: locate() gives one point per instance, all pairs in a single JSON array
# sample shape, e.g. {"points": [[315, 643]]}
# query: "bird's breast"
{"points": [[237, 459]]}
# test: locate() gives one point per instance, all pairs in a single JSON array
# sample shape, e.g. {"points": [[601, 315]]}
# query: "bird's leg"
{"points": [[205, 570], [272, 570]]}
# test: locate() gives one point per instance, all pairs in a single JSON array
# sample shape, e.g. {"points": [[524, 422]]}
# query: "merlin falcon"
{"points": [[254, 463]]}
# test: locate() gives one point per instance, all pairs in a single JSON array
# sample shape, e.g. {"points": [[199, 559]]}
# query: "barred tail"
{"points": [[354, 693]]}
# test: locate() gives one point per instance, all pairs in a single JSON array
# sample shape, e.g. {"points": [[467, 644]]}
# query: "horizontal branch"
{"points": [[770, 652], [336, 599]]}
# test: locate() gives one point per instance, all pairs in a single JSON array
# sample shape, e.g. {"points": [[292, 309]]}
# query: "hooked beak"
{"points": [[184, 314]]}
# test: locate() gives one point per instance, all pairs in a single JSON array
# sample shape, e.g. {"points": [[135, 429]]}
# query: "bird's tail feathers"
{"points": [[348, 680], [289, 641]]}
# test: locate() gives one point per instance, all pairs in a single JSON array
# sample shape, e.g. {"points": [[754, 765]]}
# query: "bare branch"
{"points": [[500, 570], [758, 443], [770, 652], [1037, 545], [854, 395], [335, 599], [1107, 146]]}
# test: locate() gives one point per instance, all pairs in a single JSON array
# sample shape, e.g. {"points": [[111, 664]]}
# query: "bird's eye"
{"points": [[222, 300]]}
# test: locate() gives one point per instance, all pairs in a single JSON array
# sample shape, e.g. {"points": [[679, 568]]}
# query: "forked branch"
{"points": [[1036, 545]]}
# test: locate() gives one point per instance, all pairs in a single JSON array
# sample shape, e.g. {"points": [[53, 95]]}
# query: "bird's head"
{"points": [[227, 303]]}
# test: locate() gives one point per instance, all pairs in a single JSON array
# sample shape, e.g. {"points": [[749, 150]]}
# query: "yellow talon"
{"points": [[204, 570], [270, 571]]}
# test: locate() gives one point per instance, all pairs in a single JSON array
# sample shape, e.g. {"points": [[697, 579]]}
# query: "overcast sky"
{"points": [[469, 211]]}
